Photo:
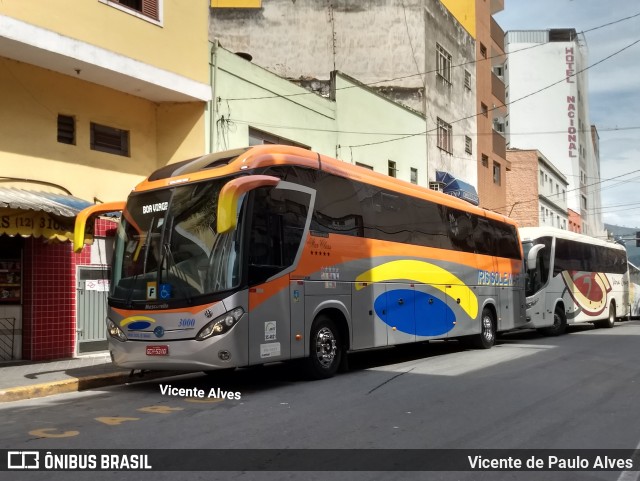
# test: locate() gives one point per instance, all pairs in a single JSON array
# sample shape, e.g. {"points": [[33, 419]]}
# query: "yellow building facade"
{"points": [[96, 94]]}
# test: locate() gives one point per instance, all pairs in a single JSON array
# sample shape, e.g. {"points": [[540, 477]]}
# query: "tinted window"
{"points": [[277, 227], [578, 256]]}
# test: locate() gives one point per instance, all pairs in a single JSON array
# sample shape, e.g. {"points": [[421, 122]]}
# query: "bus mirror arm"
{"points": [[80, 237], [230, 195], [532, 258]]}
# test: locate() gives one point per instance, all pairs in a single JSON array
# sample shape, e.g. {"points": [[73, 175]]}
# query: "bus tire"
{"points": [[559, 324], [487, 337], [325, 348], [609, 322]]}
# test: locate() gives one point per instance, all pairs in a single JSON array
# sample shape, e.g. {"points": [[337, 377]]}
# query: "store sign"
{"points": [[28, 223], [101, 285]]}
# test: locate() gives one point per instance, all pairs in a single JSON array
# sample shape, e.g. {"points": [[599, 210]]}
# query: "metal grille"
{"points": [[7, 337]]}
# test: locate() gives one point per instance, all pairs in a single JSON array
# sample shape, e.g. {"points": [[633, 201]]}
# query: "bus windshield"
{"points": [[167, 247]]}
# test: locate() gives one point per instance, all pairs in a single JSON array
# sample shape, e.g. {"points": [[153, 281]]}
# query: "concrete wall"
{"points": [[33, 98], [378, 42], [359, 126], [249, 96], [177, 43]]}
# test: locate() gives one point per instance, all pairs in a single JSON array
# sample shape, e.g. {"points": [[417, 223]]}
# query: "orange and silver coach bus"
{"points": [[274, 253]]}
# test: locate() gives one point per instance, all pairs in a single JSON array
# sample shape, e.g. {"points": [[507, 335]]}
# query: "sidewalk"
{"points": [[26, 379]]}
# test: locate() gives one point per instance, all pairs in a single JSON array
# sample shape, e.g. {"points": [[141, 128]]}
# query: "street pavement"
{"points": [[27, 379]]}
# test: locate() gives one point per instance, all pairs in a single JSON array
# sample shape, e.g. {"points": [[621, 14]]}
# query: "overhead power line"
{"points": [[420, 74]]}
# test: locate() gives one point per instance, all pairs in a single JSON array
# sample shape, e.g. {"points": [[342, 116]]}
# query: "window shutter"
{"points": [[151, 9]]}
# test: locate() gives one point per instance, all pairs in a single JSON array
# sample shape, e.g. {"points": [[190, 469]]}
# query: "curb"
{"points": [[74, 385]]}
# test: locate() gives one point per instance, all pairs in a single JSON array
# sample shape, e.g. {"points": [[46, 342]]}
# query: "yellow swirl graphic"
{"points": [[426, 273]]}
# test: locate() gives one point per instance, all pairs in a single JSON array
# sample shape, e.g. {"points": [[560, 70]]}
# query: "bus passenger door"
{"points": [[400, 315], [279, 221]]}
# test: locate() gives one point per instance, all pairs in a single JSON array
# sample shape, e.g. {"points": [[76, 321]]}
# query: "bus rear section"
{"points": [[573, 278]]}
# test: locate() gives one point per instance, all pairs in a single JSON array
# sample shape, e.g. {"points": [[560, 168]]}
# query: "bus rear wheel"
{"points": [[559, 324], [487, 337], [325, 350]]}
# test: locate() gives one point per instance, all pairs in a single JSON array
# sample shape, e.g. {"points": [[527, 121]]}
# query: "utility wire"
{"points": [[420, 74], [564, 79]]}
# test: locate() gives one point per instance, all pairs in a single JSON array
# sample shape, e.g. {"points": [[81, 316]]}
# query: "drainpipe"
{"points": [[214, 90]]}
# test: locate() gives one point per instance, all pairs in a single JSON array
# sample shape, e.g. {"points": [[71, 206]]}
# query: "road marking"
{"points": [[160, 409], [47, 433], [115, 421], [632, 475], [198, 400]]}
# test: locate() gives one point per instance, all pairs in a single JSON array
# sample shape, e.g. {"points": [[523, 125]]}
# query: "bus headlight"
{"points": [[220, 324], [115, 332]]}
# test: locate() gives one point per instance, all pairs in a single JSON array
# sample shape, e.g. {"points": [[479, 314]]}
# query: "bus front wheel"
{"points": [[559, 324], [611, 320], [325, 350]]}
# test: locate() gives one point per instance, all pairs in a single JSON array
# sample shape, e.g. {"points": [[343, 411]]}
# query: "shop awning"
{"points": [[457, 188], [30, 213], [59, 204]]}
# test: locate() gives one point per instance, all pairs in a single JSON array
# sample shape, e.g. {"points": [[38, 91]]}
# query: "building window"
{"points": [[392, 169], [484, 110], [359, 164], [483, 50], [468, 146], [444, 136], [583, 202], [443, 63], [109, 139], [485, 160], [541, 179], [66, 129], [414, 175], [496, 173], [145, 8], [467, 79]]}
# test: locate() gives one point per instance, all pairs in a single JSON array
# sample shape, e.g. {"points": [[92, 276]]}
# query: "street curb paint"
{"points": [[74, 385]]}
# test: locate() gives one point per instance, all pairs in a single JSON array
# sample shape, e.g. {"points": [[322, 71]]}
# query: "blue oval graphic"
{"points": [[138, 325], [414, 312]]}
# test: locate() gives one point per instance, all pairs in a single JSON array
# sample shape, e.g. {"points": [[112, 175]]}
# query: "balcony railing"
{"points": [[498, 88], [497, 34], [499, 145]]}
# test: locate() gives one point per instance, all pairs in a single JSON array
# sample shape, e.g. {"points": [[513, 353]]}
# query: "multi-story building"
{"points": [[95, 95], [402, 50], [536, 190], [493, 166], [549, 111]]}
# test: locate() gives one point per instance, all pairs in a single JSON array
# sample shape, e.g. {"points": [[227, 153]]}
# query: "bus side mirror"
{"points": [[532, 258], [230, 195], [80, 237]]}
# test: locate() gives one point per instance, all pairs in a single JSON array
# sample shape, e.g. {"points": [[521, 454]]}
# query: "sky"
{"points": [[614, 87]]}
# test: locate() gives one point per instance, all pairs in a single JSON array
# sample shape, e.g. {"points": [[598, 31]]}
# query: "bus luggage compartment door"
{"points": [[399, 313]]}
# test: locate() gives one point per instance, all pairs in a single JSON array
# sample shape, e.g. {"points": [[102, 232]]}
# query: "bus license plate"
{"points": [[157, 350]]}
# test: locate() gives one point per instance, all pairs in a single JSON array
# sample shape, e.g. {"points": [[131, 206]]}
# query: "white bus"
{"points": [[573, 278]]}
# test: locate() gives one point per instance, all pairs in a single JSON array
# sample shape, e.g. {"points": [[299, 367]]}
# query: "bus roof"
{"points": [[531, 233], [236, 161]]}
